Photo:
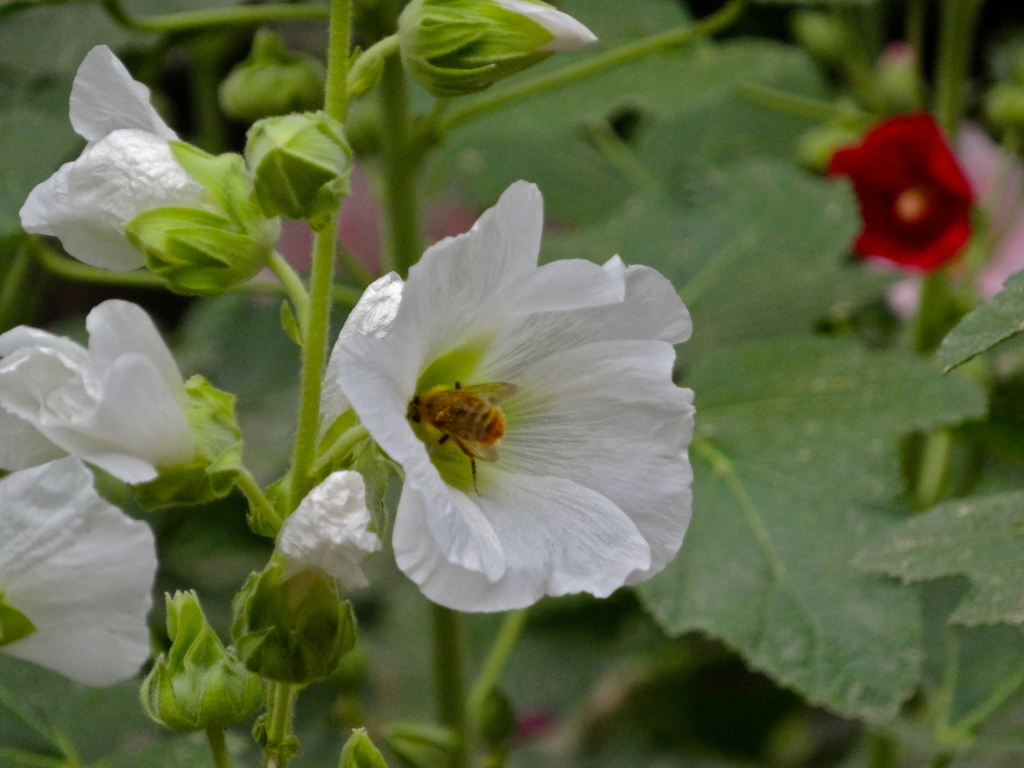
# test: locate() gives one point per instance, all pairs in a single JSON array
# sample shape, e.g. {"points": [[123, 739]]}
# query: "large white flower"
{"points": [[77, 568], [330, 531], [126, 168], [557, 382], [118, 404]]}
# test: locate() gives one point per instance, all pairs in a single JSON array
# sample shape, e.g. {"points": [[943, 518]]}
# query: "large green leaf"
{"points": [[795, 467], [757, 249], [994, 321], [980, 537], [35, 134], [550, 138]]}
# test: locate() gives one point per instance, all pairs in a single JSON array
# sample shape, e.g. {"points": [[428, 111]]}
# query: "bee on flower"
{"points": [[532, 409]]}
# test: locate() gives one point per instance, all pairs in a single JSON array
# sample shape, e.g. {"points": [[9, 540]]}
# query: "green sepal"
{"points": [[226, 181], [457, 47], [272, 81], [293, 630], [211, 472], [14, 625], [421, 745], [198, 253], [198, 683], [368, 76], [359, 752], [301, 165]]}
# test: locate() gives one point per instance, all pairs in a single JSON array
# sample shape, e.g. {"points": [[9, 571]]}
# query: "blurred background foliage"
{"points": [[771, 641]]}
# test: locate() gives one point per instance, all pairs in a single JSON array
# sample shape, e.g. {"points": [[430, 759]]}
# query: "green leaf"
{"points": [[980, 538], [549, 139], [795, 464], [1000, 318], [359, 752], [35, 134], [757, 249]]}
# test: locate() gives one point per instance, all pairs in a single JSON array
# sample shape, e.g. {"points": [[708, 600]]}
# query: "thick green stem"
{"points": [[238, 15], [314, 357], [448, 680], [280, 702], [504, 643], [314, 351], [211, 131], [956, 40], [647, 46], [401, 166], [218, 747], [12, 287]]}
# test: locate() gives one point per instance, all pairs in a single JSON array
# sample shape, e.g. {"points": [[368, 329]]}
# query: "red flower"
{"points": [[914, 199]]}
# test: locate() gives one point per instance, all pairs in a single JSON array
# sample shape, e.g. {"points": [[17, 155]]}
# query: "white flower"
{"points": [[329, 531], [127, 168], [570, 34], [588, 488], [79, 569], [118, 404]]}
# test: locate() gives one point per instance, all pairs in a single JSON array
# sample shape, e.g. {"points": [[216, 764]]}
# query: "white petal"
{"points": [[26, 336], [21, 444], [608, 416], [87, 202], [380, 385], [651, 309], [373, 315], [558, 537], [119, 327], [79, 569], [330, 530], [105, 98], [570, 34]]}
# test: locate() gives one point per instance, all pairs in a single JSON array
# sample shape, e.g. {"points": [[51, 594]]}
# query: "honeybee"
{"points": [[468, 416]]}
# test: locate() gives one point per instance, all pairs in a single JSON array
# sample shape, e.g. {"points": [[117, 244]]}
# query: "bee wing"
{"points": [[478, 450], [495, 391]]}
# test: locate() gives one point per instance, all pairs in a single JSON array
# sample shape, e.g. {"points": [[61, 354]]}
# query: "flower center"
{"points": [[468, 418], [912, 205]]}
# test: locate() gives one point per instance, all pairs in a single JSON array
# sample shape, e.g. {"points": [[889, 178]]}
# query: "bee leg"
{"points": [[443, 440], [472, 464], [458, 385]]}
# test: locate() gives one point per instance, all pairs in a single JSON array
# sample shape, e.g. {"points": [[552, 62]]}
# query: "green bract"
{"points": [[198, 683], [205, 252], [292, 630], [14, 625], [359, 752], [272, 81], [301, 165], [455, 47], [211, 472]]}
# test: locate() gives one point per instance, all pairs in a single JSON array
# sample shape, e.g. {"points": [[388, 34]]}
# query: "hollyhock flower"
{"points": [[914, 199], [126, 168], [330, 530], [76, 575], [118, 404], [997, 183], [532, 409]]}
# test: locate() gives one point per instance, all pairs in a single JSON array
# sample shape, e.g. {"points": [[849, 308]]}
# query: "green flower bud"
{"points": [[293, 630], [205, 252], [211, 472], [897, 84], [14, 625], [359, 752], [301, 165], [1004, 105], [455, 47], [822, 35], [272, 81], [421, 745], [198, 683], [815, 147]]}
